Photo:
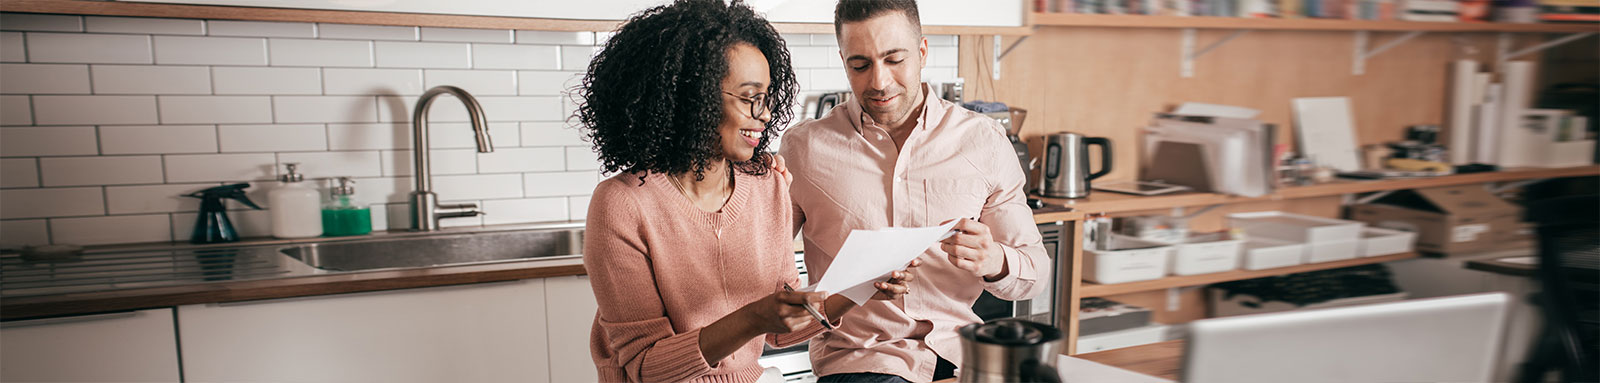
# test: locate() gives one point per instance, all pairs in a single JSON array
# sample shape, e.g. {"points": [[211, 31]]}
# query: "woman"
{"points": [[689, 248]]}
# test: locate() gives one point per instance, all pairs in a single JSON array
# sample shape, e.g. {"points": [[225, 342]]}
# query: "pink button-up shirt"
{"points": [[848, 175]]}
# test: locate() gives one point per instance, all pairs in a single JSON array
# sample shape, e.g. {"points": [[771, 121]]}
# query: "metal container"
{"points": [[1009, 350], [1066, 164]]}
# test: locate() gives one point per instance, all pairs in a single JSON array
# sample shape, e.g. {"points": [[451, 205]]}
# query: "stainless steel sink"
{"points": [[438, 250]]}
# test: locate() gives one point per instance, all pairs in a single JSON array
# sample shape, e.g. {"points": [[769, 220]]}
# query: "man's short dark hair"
{"points": [[850, 11]]}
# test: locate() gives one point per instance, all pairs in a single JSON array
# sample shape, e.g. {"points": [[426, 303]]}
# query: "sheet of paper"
{"points": [[1326, 132], [1082, 370], [870, 255], [1214, 110]]}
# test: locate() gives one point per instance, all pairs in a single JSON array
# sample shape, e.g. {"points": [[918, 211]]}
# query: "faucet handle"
{"points": [[459, 210]]}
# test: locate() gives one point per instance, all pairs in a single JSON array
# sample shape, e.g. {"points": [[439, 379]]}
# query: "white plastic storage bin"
{"points": [[1326, 239], [1205, 253], [1262, 253], [1378, 241], [1130, 259]]}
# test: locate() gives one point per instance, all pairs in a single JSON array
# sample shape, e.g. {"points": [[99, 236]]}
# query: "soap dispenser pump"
{"points": [[295, 206], [213, 226], [343, 215]]}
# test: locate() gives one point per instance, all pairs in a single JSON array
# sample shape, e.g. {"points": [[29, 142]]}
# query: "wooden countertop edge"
{"points": [[135, 299]]}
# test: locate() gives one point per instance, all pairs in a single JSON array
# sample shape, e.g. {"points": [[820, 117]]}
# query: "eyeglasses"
{"points": [[758, 104]]}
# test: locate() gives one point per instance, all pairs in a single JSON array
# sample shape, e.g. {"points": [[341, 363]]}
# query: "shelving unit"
{"points": [[1099, 290], [1293, 24]]}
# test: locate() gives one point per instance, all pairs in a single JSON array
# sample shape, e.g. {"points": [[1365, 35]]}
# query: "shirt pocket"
{"points": [[949, 198]]}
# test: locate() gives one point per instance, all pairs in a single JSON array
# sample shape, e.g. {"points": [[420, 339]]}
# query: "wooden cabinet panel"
{"points": [[135, 346]]}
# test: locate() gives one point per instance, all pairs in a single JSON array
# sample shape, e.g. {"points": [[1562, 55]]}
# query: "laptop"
{"points": [[1449, 339]]}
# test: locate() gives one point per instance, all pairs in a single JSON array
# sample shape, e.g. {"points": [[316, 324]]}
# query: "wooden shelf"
{"points": [[1099, 290], [1107, 202], [1205, 22]]}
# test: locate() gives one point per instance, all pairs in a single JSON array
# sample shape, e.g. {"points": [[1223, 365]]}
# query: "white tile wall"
{"points": [[107, 170], [272, 138], [151, 79], [142, 25], [19, 173], [12, 48], [168, 139], [141, 110], [44, 79]]}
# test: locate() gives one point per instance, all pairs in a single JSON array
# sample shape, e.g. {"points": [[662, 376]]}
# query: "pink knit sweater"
{"points": [[662, 269]]}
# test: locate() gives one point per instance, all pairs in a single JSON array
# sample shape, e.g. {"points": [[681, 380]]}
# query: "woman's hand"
{"points": [[782, 170], [782, 311], [899, 283]]}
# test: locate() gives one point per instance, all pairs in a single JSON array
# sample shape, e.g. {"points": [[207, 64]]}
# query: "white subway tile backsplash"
{"points": [[48, 141], [576, 58], [320, 53], [216, 109], [547, 83], [158, 139], [478, 186], [85, 48], [221, 167], [112, 229], [938, 74], [579, 207], [538, 108], [267, 81], [505, 134], [600, 38], [440, 161], [260, 29], [500, 56], [12, 47], [508, 211], [153, 198], [144, 25], [44, 79], [29, 232], [335, 164], [552, 134], [518, 160], [582, 158], [943, 56], [368, 136], [444, 108], [272, 138], [422, 55], [941, 40], [211, 50], [40, 23], [107, 170], [476, 82], [825, 39], [796, 40], [365, 32], [85, 110], [465, 35], [249, 224], [378, 191], [16, 110], [324, 109], [815, 57], [555, 37], [829, 80], [339, 81], [151, 79], [51, 202], [19, 173], [560, 184]]}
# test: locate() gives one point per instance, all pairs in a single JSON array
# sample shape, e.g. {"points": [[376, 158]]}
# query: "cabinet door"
{"points": [[570, 308], [135, 346], [491, 332]]}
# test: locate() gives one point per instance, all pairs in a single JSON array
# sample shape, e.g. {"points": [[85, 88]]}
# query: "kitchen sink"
{"points": [[439, 250]]}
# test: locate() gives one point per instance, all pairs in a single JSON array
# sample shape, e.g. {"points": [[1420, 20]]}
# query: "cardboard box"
{"points": [[1447, 219]]}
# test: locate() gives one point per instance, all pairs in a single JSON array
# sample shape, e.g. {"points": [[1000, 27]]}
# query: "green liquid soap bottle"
{"points": [[342, 216]]}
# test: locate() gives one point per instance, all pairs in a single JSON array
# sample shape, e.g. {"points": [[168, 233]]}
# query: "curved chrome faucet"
{"points": [[425, 208]]}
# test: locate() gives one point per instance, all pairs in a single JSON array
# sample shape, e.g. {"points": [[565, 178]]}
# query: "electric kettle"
{"points": [[1066, 164], [1009, 350]]}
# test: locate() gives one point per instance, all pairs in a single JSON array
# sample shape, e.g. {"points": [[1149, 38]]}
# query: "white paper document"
{"points": [[870, 255]]}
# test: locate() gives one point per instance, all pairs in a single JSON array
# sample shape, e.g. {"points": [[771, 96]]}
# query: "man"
{"points": [[895, 157]]}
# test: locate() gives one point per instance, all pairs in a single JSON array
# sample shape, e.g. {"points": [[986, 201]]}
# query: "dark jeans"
{"points": [[944, 370]]}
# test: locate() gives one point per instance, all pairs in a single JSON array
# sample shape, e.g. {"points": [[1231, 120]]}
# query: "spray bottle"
{"points": [[213, 226]]}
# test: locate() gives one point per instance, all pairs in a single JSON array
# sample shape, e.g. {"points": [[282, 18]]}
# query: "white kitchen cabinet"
{"points": [[490, 332], [570, 311], [136, 346], [1009, 13]]}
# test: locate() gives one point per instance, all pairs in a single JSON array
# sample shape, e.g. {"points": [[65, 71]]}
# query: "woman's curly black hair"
{"points": [[652, 97]]}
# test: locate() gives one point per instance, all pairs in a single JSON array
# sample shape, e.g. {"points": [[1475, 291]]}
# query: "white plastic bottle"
{"points": [[296, 207]]}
